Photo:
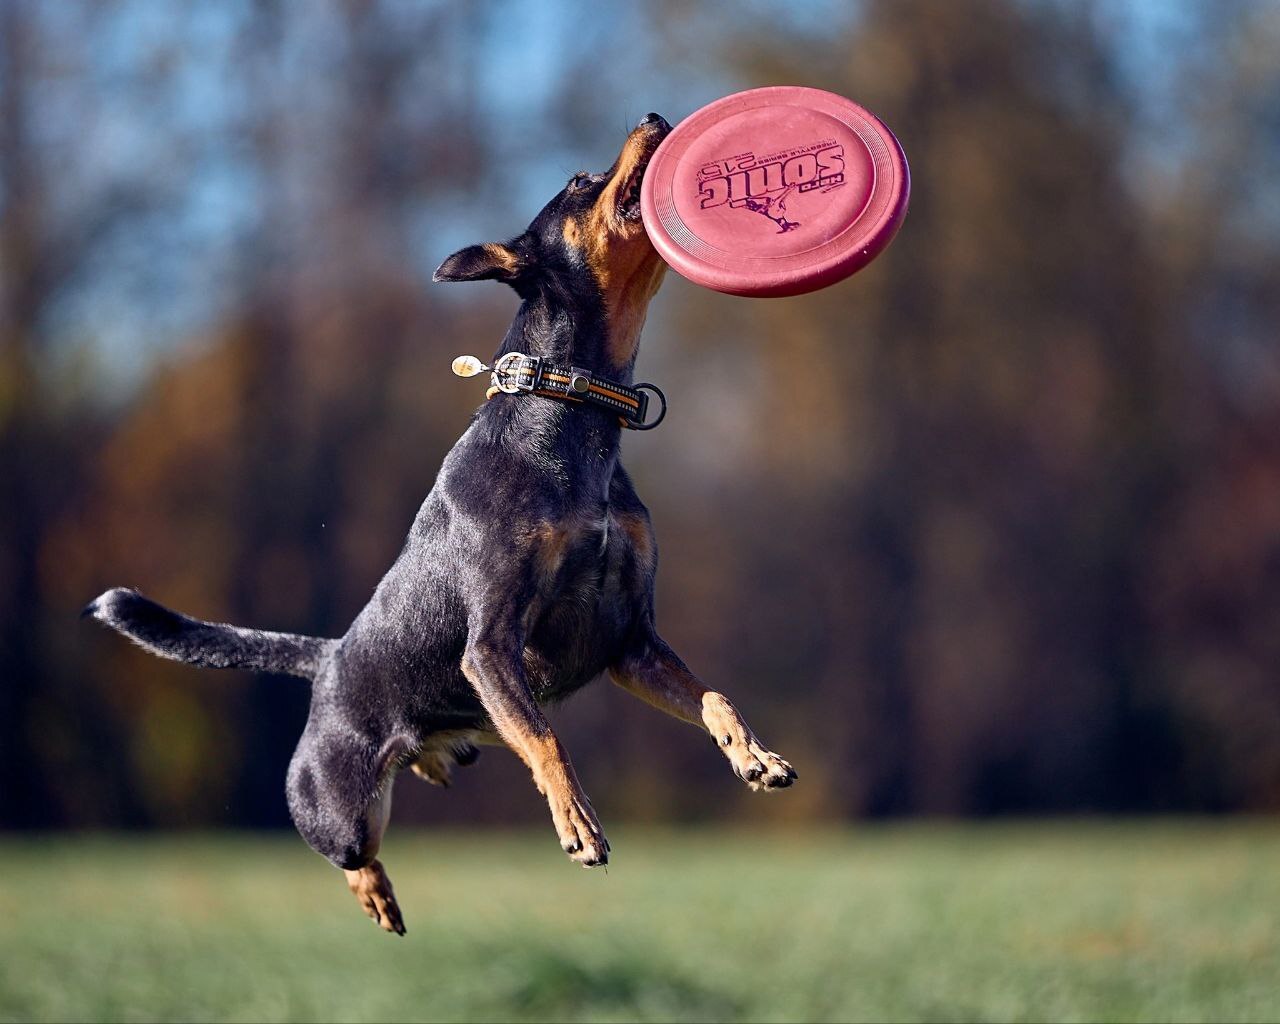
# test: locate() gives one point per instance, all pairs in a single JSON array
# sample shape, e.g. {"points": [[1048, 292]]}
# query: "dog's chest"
{"points": [[581, 611]]}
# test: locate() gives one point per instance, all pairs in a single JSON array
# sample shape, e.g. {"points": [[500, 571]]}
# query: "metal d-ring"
{"points": [[661, 398]]}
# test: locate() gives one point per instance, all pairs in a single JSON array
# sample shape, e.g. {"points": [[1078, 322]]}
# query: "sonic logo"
{"points": [[747, 182]]}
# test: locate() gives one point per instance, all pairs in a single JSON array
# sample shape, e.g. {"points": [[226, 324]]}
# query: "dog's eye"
{"points": [[581, 180]]}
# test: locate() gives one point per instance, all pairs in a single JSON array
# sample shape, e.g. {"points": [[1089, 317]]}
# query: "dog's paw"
{"points": [[436, 766], [757, 766], [372, 889], [581, 835], [762, 769]]}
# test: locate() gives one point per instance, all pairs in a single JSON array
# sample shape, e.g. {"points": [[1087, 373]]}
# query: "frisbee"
{"points": [[775, 191]]}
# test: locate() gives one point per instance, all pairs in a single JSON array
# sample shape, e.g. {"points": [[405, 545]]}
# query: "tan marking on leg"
{"points": [[575, 821], [661, 679], [372, 889], [758, 767], [668, 686], [581, 835]]}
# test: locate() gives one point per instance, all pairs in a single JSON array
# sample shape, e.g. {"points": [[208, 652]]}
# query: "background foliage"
{"points": [[993, 527]]}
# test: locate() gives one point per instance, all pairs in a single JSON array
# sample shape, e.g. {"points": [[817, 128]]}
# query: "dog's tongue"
{"points": [[775, 191]]}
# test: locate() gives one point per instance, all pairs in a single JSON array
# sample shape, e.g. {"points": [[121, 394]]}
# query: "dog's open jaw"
{"points": [[629, 203], [613, 242], [623, 191]]}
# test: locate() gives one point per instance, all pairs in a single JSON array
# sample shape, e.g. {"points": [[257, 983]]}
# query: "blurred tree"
{"points": [[1212, 582], [957, 460], [44, 441], [990, 528]]}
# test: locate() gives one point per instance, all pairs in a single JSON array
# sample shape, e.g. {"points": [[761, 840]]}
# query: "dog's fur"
{"points": [[528, 572]]}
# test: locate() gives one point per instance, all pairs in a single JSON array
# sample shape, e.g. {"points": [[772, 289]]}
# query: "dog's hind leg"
{"points": [[496, 670], [655, 674], [370, 883], [339, 788]]}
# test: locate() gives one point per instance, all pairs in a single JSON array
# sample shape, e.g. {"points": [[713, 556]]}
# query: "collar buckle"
{"points": [[516, 372]]}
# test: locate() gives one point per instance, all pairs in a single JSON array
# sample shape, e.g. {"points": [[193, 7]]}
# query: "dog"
{"points": [[528, 572]]}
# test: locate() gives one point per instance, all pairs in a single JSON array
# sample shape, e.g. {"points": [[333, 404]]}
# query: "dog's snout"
{"points": [[655, 119]]}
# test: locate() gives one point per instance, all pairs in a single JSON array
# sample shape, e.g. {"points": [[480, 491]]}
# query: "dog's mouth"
{"points": [[629, 205], [648, 135]]}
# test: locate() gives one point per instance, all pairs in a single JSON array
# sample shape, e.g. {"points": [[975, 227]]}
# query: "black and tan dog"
{"points": [[528, 572]]}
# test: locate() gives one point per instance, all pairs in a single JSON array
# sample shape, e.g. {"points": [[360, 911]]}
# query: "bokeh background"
{"points": [[992, 528]]}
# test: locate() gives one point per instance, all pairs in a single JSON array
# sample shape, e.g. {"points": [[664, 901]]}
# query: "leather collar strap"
{"points": [[516, 373]]}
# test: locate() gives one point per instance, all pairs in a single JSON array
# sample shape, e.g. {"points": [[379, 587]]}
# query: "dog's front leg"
{"points": [[654, 673], [496, 670]]}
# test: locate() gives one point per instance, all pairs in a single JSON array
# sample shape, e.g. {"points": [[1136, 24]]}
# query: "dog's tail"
{"points": [[170, 634]]}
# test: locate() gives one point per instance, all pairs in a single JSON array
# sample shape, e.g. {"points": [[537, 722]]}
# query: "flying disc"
{"points": [[775, 191]]}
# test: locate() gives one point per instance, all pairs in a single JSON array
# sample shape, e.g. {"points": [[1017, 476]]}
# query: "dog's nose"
{"points": [[655, 119]]}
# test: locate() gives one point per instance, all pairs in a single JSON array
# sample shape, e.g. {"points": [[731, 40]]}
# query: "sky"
{"points": [[171, 104]]}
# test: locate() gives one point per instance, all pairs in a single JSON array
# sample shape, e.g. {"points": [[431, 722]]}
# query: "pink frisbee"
{"points": [[775, 191]]}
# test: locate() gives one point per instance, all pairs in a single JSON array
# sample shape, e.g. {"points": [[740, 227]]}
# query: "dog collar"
{"points": [[515, 373]]}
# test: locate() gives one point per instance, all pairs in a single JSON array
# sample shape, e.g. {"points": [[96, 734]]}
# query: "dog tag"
{"points": [[468, 366]]}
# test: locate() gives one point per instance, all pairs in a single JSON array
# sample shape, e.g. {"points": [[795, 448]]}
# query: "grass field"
{"points": [[1162, 921]]}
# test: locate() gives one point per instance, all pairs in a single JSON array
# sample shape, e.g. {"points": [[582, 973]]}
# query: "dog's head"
{"points": [[587, 248]]}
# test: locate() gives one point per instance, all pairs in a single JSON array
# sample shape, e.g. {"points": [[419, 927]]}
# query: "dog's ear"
{"points": [[492, 261]]}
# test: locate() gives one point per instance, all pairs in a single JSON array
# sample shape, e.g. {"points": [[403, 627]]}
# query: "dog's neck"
{"points": [[569, 330], [577, 442]]}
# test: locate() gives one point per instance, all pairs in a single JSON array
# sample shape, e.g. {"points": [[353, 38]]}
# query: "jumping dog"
{"points": [[528, 572]]}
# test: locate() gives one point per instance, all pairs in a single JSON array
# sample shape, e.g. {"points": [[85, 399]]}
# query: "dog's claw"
{"points": [[773, 773]]}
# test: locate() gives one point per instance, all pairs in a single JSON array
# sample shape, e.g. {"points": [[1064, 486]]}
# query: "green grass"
{"points": [[1065, 921]]}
